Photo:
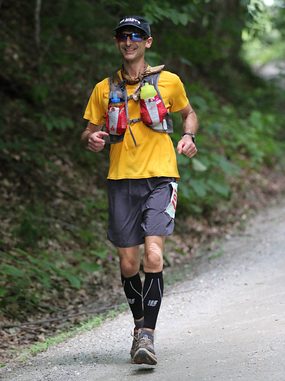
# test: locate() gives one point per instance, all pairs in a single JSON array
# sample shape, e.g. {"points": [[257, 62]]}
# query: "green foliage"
{"points": [[229, 140], [156, 12], [263, 36], [52, 254], [28, 231], [51, 122], [26, 277]]}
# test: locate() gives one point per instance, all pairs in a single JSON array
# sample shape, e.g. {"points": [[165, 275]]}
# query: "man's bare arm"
{"points": [[94, 137], [89, 130], [186, 145]]}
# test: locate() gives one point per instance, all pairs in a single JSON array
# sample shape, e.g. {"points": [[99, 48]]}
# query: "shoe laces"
{"points": [[135, 335], [146, 340]]}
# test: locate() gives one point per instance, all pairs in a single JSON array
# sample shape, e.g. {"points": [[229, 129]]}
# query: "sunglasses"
{"points": [[134, 37]]}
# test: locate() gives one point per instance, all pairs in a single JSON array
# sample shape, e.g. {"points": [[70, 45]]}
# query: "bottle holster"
{"points": [[116, 119], [153, 112]]}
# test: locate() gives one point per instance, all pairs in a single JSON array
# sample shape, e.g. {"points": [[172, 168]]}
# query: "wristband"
{"points": [[190, 134]]}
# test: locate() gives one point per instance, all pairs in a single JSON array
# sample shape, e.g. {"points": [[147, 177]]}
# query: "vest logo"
{"points": [[152, 303], [131, 301]]}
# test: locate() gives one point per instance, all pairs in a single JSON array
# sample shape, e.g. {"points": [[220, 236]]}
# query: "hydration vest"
{"points": [[120, 110]]}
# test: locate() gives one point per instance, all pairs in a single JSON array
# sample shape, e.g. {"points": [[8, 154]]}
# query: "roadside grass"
{"points": [[216, 255]]}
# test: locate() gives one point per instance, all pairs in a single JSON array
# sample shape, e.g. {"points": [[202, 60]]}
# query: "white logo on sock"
{"points": [[152, 303], [131, 301]]}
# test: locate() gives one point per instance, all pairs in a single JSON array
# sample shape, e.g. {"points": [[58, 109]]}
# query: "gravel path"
{"points": [[225, 322]]}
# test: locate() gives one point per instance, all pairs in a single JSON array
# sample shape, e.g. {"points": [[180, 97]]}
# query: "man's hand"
{"points": [[96, 142], [186, 146]]}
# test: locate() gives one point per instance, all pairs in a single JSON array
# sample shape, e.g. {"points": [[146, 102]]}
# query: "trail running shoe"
{"points": [[144, 353], [135, 343], [138, 326]]}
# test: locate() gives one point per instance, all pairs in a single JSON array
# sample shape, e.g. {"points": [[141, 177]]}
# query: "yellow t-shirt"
{"points": [[154, 154]]}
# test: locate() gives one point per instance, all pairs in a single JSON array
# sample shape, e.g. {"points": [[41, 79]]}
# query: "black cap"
{"points": [[134, 21]]}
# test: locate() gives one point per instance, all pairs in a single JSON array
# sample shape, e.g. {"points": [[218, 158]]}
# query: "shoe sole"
{"points": [[143, 356]]}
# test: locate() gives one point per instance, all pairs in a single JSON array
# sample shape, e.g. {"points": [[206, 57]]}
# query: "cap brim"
{"points": [[131, 25]]}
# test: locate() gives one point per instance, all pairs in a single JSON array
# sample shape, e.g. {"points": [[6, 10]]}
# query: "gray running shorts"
{"points": [[140, 208]]}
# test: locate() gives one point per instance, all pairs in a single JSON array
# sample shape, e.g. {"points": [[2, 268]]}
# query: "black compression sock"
{"points": [[152, 296], [133, 290]]}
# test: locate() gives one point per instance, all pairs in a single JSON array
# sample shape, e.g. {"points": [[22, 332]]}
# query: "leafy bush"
{"points": [[30, 278], [230, 140]]}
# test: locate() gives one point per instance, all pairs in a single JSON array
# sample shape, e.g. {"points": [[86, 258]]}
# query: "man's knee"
{"points": [[129, 267], [129, 261], [153, 259]]}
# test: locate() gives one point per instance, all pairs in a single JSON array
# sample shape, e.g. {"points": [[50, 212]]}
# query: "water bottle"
{"points": [[116, 120], [148, 91]]}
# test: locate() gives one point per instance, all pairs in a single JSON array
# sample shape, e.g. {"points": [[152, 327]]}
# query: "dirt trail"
{"points": [[225, 322]]}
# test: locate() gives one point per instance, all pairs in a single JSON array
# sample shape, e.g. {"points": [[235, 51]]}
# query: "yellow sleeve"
{"points": [[97, 104], [178, 99]]}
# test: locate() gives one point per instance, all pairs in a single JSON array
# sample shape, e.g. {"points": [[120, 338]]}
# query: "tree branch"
{"points": [[38, 22]]}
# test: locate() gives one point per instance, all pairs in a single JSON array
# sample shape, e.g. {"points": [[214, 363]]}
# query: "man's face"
{"points": [[132, 44]]}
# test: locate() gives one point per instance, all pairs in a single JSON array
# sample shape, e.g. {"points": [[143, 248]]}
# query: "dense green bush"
{"points": [[230, 140]]}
